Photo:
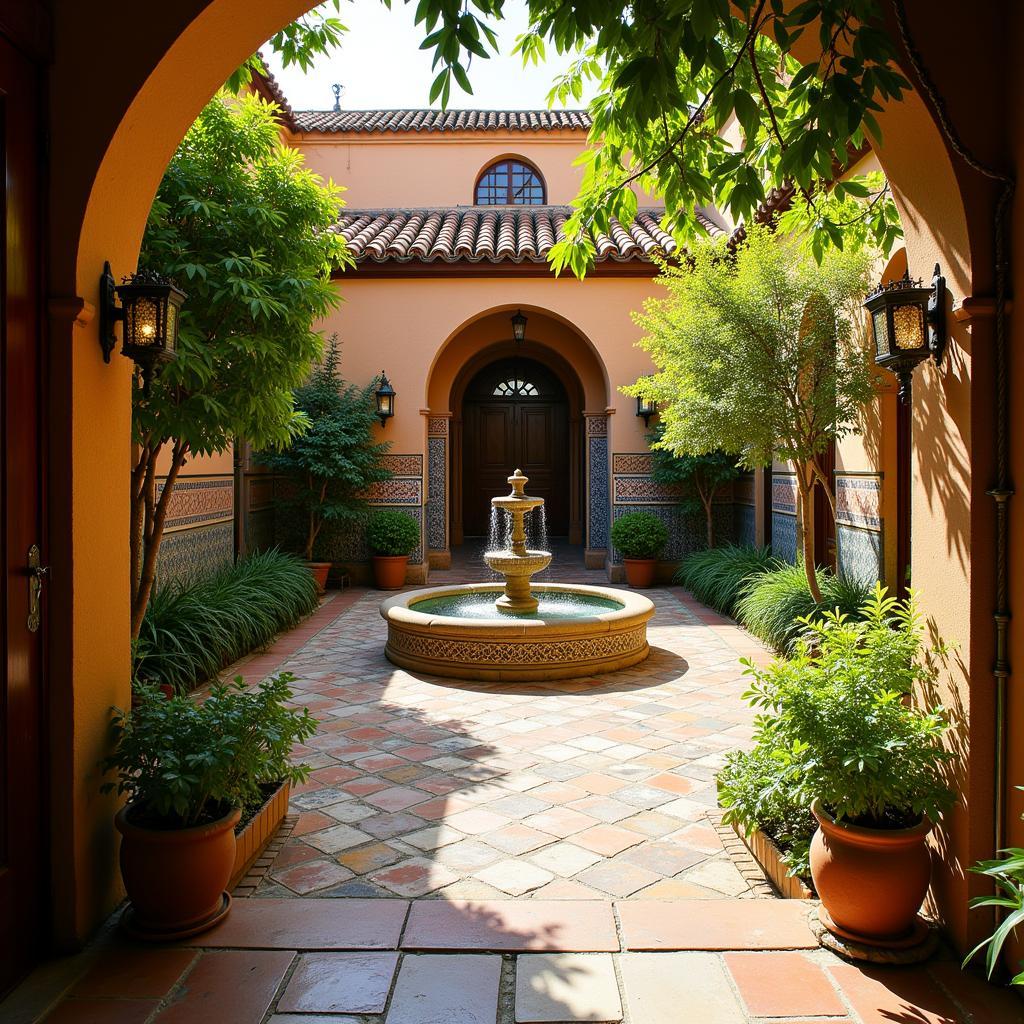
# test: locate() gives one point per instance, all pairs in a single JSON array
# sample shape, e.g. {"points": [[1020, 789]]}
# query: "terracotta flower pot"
{"points": [[640, 571], [176, 878], [871, 881], [319, 571], [389, 571]]}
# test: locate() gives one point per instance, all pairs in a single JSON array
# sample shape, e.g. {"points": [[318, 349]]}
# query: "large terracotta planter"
{"points": [[319, 571], [176, 878], [640, 572], [871, 881], [253, 839], [389, 571]]}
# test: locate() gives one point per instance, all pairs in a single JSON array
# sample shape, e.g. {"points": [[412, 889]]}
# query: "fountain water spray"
{"points": [[517, 563]]}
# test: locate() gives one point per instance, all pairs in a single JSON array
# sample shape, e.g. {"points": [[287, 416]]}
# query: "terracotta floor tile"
{"points": [[309, 924], [607, 840], [233, 985], [103, 1011], [311, 821], [510, 925], [678, 988], [340, 983], [443, 989], [882, 995], [715, 924], [783, 985], [518, 839], [311, 875], [134, 973], [977, 996]]}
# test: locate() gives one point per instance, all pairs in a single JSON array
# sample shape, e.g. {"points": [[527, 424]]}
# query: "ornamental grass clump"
{"points": [[191, 631], [184, 762], [717, 576], [774, 604], [834, 725]]}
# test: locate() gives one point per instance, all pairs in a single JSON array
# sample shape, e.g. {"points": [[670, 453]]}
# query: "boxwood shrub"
{"points": [[390, 532], [639, 535]]}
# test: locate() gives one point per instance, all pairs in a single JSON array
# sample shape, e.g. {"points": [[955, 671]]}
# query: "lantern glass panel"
{"points": [[172, 325], [142, 321], [908, 326], [384, 405], [880, 324]]}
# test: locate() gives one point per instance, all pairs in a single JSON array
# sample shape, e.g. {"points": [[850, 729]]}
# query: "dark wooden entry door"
{"points": [[515, 416], [22, 855]]}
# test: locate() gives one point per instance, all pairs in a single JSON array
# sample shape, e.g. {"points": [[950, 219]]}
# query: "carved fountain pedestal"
{"points": [[517, 564]]}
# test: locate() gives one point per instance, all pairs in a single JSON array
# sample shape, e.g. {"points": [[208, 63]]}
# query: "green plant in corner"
{"points": [[639, 535], [717, 576], [183, 762], [332, 464], [392, 533]]}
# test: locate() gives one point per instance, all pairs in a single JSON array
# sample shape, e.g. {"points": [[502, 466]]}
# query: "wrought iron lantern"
{"points": [[646, 408], [908, 323], [519, 326], [385, 395], [149, 314]]}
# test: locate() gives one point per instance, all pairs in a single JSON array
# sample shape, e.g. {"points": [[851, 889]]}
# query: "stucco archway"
{"points": [[113, 130]]}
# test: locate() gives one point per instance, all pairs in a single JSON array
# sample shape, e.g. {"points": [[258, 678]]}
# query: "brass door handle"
{"points": [[37, 573]]}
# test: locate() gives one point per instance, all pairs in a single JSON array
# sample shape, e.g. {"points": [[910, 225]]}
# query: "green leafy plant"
{"points": [[1007, 874], [390, 532], [330, 465], [699, 476], [774, 604], [834, 724], [760, 352], [639, 535], [192, 630], [244, 227], [717, 576], [183, 762]]}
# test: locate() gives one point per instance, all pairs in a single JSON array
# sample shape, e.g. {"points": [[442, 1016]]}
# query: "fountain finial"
{"points": [[518, 482]]}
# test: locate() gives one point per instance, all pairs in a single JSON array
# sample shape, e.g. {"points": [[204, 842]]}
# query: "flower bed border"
{"points": [[769, 857], [253, 839]]}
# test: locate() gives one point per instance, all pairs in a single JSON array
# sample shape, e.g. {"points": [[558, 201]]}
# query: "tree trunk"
{"points": [[805, 511], [154, 518]]}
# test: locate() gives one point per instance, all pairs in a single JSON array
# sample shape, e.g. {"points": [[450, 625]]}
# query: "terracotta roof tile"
{"points": [[367, 121], [496, 234]]}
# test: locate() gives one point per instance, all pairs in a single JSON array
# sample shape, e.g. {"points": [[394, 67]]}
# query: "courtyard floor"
{"points": [[485, 854]]}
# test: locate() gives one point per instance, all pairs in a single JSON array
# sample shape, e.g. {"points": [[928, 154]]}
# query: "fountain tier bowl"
{"points": [[577, 631]]}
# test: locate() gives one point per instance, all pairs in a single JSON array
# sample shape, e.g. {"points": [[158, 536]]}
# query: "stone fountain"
{"points": [[517, 632], [518, 563]]}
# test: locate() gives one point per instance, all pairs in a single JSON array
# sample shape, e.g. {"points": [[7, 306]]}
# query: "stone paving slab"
{"points": [[456, 989], [563, 988], [670, 988], [512, 925], [340, 982]]}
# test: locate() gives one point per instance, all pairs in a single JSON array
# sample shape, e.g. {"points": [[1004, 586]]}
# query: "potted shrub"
{"points": [[641, 537], [329, 467], [189, 770], [845, 741], [391, 537]]}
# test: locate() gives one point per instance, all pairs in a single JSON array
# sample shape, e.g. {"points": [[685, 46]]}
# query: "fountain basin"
{"points": [[577, 631]]}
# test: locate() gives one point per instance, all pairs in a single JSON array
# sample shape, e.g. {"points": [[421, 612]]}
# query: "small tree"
{"points": [[246, 230], [331, 465], [760, 352], [700, 475]]}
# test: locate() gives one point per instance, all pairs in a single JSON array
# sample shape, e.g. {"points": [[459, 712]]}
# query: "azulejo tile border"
{"points": [[642, 490], [199, 501], [396, 491], [189, 555], [404, 465], [437, 492], [598, 498], [859, 501], [632, 462], [784, 493], [437, 426], [784, 536], [860, 553]]}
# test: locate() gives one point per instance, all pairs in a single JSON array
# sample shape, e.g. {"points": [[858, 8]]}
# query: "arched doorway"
{"points": [[515, 414]]}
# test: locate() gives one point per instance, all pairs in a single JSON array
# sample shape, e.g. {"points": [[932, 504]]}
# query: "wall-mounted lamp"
{"points": [[148, 313], [646, 408], [519, 326], [385, 395], [908, 322]]}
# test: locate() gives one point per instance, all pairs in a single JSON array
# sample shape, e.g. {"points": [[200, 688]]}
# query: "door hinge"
{"points": [[36, 575]]}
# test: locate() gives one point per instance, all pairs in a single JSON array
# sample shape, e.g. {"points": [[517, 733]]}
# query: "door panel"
{"points": [[22, 907], [488, 451]]}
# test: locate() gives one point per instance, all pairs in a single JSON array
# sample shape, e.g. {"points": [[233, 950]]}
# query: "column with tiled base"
{"points": [[597, 491], [439, 555]]}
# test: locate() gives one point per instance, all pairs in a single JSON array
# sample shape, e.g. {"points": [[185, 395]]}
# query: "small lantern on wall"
{"points": [[150, 304], [908, 324], [385, 395], [519, 326], [646, 408]]}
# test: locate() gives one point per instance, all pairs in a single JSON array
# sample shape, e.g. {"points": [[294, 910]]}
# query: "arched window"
{"points": [[510, 183], [515, 388]]}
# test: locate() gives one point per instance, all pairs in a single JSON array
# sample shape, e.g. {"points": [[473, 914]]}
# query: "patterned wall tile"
{"points": [[860, 553], [687, 531], [597, 426], [784, 493], [437, 492], [396, 491], [403, 465], [437, 426], [784, 536], [199, 501], [597, 489], [859, 501], [189, 555], [642, 490], [632, 462], [745, 525]]}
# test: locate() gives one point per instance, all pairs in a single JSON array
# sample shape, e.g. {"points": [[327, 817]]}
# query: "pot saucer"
{"points": [[914, 947], [139, 931]]}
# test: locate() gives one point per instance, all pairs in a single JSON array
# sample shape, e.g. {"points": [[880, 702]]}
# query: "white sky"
{"points": [[380, 65]]}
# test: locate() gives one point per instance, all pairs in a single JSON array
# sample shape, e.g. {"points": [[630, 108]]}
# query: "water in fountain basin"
{"points": [[554, 606]]}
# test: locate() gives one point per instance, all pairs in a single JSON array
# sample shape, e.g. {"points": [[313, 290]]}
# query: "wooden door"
{"points": [[22, 788], [515, 416]]}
